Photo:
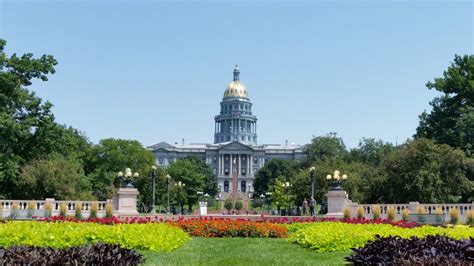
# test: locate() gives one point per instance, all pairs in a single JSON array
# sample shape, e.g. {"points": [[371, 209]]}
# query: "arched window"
{"points": [[226, 186], [243, 186]]}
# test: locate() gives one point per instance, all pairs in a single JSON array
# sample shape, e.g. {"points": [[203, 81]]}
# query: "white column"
{"points": [[231, 164], [250, 165], [239, 156], [221, 164]]}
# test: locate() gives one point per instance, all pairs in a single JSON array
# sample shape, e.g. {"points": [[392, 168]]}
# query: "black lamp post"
{"points": [[168, 177], [336, 180], [311, 171], [262, 197], [153, 176], [180, 186], [126, 179], [287, 185]]}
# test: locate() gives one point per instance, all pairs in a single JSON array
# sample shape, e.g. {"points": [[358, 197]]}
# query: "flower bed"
{"points": [[151, 236], [98, 254], [228, 228], [295, 220], [337, 236], [431, 250]]}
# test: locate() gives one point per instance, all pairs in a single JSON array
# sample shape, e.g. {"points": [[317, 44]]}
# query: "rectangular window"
{"points": [[226, 171]]}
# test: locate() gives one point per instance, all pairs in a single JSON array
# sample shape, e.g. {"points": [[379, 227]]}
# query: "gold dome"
{"points": [[236, 88]]}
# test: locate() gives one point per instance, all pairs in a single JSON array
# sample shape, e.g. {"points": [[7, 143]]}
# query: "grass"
{"points": [[242, 251]]}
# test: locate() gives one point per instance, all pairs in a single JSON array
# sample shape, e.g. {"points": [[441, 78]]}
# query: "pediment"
{"points": [[236, 145]]}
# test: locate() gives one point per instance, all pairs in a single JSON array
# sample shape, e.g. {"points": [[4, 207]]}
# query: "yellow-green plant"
{"points": [[405, 214], [63, 209], [78, 210], [391, 213], [376, 211], [109, 210], [30, 209], [48, 209], [346, 213], [149, 236], [454, 214], [331, 236], [439, 215], [470, 217], [360, 212], [93, 210], [15, 210]]}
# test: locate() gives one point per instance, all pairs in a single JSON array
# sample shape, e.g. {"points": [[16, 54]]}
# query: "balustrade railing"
{"points": [[25, 208]]}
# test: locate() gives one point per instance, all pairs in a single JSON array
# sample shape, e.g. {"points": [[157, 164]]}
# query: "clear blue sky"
{"points": [[156, 71]]}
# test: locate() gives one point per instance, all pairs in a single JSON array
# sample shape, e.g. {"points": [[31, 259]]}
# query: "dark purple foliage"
{"points": [[98, 254], [431, 250]]}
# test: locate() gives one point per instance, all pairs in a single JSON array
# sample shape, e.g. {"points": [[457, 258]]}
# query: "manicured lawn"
{"points": [[242, 251]]}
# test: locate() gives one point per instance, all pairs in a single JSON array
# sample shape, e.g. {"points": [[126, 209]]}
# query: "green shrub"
{"points": [[238, 205], [30, 209], [109, 210], [93, 210], [228, 204], [405, 214], [48, 209], [78, 210], [360, 212], [376, 211], [421, 211], [391, 213], [470, 217], [15, 210], [454, 214], [150, 236], [63, 209], [335, 236], [347, 213]]}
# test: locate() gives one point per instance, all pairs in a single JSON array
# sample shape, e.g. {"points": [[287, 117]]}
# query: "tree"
{"points": [[451, 121], [113, 155], [371, 151], [328, 147], [266, 176], [55, 177], [28, 130], [196, 175], [228, 205], [424, 171], [238, 205]]}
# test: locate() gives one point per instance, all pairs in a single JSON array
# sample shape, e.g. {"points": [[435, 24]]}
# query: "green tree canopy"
{"points": [[329, 147], [424, 171], [266, 176], [54, 177], [28, 130], [451, 121], [197, 176], [113, 155]]}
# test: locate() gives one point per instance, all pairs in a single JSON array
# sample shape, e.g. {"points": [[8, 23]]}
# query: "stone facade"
{"points": [[235, 144]]}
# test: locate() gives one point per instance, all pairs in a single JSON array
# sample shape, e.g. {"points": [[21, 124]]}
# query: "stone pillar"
{"points": [[413, 207], [125, 202], [239, 161], [337, 200], [203, 208]]}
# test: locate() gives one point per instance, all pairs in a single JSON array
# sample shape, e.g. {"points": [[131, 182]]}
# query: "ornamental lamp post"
{"points": [[287, 185], [153, 176], [336, 180], [126, 179], [311, 172], [262, 197], [168, 177], [180, 185]]}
